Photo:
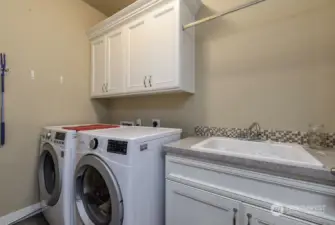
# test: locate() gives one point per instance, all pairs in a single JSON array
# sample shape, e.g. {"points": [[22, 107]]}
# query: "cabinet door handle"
{"points": [[249, 218], [144, 82], [150, 81], [235, 214], [106, 87]]}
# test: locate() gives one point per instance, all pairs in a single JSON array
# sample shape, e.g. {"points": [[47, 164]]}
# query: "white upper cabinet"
{"points": [[145, 50], [98, 67], [139, 55], [165, 47], [115, 62]]}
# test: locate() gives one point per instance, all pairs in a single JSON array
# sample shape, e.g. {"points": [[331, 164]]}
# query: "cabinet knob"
{"points": [[104, 87], [235, 214], [249, 218], [150, 81]]}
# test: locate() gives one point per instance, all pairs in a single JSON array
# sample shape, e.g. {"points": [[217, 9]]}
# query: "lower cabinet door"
{"points": [[256, 216], [190, 206]]}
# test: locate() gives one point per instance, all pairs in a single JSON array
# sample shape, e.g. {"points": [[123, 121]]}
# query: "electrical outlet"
{"points": [[138, 122], [156, 123], [127, 123]]}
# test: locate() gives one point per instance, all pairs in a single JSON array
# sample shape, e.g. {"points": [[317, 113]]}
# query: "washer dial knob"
{"points": [[94, 144], [48, 135]]}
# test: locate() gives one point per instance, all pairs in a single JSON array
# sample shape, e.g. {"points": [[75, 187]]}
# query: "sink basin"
{"points": [[289, 154]]}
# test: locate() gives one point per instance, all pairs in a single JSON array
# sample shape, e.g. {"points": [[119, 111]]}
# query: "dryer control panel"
{"points": [[118, 147], [59, 138]]}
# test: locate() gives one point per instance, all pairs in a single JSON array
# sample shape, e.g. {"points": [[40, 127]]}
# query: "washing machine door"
{"points": [[98, 195], [49, 176]]}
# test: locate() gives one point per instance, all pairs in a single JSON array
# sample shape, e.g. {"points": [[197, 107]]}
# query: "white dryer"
{"points": [[56, 171], [120, 176]]}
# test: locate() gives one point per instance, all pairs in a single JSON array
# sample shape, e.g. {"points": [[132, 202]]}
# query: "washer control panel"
{"points": [[118, 147]]}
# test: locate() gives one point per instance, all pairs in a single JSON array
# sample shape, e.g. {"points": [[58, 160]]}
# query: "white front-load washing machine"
{"points": [[120, 176], [56, 170]]}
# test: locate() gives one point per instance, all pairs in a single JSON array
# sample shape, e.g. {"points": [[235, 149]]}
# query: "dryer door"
{"points": [[49, 176], [98, 195]]}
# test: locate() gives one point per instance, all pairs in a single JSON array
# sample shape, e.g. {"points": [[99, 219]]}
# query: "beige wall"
{"points": [[109, 7], [49, 37], [273, 63]]}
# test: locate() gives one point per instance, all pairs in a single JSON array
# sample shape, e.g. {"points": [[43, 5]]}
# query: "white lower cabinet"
{"points": [[188, 205], [200, 192]]}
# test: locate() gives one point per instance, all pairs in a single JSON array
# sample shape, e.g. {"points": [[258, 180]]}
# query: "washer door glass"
{"points": [[49, 175], [98, 197]]}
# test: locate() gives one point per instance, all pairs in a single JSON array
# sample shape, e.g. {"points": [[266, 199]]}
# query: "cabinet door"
{"points": [[138, 57], [165, 30], [187, 205], [115, 62], [98, 67], [256, 216]]}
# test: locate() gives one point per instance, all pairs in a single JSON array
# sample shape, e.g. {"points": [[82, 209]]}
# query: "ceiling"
{"points": [[109, 7]]}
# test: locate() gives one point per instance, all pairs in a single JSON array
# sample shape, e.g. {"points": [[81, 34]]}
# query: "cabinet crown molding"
{"points": [[132, 10]]}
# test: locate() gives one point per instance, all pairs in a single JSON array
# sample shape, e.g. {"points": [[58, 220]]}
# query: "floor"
{"points": [[36, 220]]}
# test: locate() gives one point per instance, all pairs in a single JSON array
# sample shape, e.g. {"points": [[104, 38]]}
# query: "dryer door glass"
{"points": [[98, 197], [49, 175]]}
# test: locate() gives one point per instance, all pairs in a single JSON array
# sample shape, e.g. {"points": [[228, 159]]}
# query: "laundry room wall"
{"points": [[273, 63], [48, 37]]}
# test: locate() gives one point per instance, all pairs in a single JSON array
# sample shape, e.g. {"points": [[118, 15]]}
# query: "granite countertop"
{"points": [[319, 175]]}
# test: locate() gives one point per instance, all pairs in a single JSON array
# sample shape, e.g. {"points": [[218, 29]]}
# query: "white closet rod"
{"points": [[204, 20]]}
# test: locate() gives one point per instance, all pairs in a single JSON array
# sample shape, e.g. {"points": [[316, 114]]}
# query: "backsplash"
{"points": [[273, 135]]}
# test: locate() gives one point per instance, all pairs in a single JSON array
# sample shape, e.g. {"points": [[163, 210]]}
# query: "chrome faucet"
{"points": [[253, 133], [255, 126]]}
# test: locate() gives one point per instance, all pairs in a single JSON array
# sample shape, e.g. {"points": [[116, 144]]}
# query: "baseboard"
{"points": [[18, 215]]}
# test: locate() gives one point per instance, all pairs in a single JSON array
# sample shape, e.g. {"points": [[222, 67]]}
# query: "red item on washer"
{"points": [[91, 127]]}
